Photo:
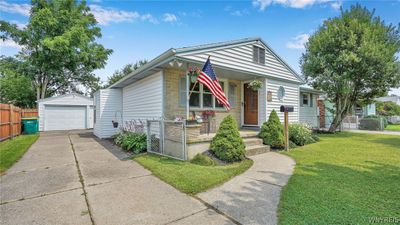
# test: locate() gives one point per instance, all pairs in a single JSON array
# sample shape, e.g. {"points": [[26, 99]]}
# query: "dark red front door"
{"points": [[250, 106]]}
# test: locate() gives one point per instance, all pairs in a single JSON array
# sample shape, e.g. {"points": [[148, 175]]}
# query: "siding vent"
{"points": [[258, 55]]}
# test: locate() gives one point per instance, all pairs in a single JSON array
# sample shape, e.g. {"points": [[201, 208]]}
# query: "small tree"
{"points": [[272, 132], [387, 109], [127, 69], [227, 144], [353, 59]]}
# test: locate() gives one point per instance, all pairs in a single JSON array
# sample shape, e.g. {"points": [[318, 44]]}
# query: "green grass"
{"points": [[345, 178], [191, 178], [393, 127], [14, 149]]}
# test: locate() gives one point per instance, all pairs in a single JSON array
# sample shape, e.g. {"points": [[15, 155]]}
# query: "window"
{"points": [[201, 96], [258, 55], [281, 92], [232, 95], [305, 100]]}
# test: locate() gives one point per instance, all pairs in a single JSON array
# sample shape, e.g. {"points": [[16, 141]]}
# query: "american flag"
{"points": [[208, 78]]}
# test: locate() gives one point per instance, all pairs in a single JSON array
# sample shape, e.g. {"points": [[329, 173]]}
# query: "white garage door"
{"points": [[64, 117]]}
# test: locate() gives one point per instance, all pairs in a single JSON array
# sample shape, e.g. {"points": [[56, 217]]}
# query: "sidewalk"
{"points": [[375, 132], [253, 197]]}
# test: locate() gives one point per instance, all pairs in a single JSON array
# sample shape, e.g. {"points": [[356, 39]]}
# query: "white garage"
{"points": [[65, 112]]}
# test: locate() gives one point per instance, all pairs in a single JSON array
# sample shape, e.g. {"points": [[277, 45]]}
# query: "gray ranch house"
{"points": [[158, 90]]}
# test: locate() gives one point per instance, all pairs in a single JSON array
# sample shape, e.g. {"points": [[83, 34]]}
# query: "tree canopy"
{"points": [[352, 58], [387, 109], [59, 49], [127, 69]]}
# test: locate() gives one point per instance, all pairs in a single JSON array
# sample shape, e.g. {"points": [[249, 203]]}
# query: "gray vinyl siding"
{"points": [[309, 113], [240, 57], [108, 108], [291, 98], [143, 99]]}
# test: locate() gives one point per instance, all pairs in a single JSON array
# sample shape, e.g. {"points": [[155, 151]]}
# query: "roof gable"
{"points": [[238, 55]]}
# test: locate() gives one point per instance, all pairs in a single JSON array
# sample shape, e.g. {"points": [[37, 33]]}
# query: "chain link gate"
{"points": [[167, 137]]}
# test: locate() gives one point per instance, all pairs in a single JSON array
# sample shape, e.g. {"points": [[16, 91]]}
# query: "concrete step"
{"points": [[257, 149], [252, 141], [248, 134]]}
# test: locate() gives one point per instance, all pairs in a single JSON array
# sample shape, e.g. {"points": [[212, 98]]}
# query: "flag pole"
{"points": [[191, 91]]}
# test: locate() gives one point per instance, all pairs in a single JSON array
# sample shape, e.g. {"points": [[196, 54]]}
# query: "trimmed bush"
{"points": [[371, 124], [227, 144], [202, 160], [385, 120], [300, 134], [272, 132], [135, 142]]}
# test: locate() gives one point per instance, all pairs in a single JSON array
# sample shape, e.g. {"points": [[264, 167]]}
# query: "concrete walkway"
{"points": [[73, 178], [253, 197]]}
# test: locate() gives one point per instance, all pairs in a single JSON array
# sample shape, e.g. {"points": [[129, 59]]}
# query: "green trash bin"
{"points": [[30, 125]]}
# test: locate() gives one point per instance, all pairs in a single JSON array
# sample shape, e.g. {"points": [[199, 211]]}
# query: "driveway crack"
{"points": [[81, 180]]}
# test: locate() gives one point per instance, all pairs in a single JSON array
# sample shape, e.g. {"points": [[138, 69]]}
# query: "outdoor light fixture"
{"points": [[176, 62]]}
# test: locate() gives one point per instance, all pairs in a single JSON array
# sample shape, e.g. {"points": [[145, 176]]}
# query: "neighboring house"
{"points": [[392, 98], [157, 90], [65, 112], [309, 112]]}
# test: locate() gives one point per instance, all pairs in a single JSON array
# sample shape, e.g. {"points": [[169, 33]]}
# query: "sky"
{"points": [[144, 29]]}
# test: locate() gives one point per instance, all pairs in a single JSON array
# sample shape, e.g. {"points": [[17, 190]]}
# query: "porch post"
{"points": [[187, 91]]}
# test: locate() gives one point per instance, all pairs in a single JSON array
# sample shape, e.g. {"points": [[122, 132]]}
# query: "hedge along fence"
{"points": [[10, 120]]}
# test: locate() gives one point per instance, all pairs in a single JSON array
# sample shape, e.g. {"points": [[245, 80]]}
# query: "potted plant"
{"points": [[208, 114], [255, 85], [193, 74]]}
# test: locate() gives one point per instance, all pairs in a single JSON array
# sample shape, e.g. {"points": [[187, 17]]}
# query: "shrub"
{"points": [[272, 132], [135, 142], [371, 124], [202, 160], [227, 144], [385, 120], [300, 134]]}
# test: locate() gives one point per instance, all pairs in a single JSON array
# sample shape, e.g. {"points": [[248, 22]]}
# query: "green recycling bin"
{"points": [[30, 125]]}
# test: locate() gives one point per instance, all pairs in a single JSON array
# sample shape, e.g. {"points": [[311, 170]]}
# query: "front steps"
{"points": [[254, 144]]}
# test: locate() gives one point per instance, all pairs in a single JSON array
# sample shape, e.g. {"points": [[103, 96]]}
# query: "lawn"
{"points": [[190, 178], [345, 178], [393, 127], [14, 149]]}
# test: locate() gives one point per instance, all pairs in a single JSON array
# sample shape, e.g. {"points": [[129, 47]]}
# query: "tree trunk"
{"points": [[340, 114]]}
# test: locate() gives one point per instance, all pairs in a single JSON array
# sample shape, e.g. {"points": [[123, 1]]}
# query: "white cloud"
{"points": [[9, 44], [19, 24], [263, 4], [23, 9], [169, 17], [105, 16], [298, 42]]}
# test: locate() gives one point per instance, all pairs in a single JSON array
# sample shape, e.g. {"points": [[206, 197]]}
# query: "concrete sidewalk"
{"points": [[375, 132], [253, 197], [74, 178]]}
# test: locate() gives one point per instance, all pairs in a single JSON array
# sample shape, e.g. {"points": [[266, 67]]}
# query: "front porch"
{"points": [[197, 142], [248, 107]]}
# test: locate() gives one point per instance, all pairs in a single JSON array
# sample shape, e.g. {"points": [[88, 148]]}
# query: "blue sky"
{"points": [[144, 29]]}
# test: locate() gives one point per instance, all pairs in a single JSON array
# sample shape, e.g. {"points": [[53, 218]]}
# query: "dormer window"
{"points": [[258, 55]]}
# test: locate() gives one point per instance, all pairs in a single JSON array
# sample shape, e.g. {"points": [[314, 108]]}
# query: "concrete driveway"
{"points": [[74, 178]]}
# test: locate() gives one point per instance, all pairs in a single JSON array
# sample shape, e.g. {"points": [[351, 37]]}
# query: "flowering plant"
{"points": [[208, 113], [193, 73], [255, 85]]}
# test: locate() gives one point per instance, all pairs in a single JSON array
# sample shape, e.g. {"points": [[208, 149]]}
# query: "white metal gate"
{"points": [[167, 137]]}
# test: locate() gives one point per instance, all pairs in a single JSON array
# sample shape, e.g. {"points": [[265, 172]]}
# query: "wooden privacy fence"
{"points": [[10, 120]]}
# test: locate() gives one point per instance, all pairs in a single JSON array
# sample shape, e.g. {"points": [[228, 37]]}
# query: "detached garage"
{"points": [[65, 112]]}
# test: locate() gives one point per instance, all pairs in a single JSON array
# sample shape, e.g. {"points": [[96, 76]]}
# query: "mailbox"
{"points": [[287, 108]]}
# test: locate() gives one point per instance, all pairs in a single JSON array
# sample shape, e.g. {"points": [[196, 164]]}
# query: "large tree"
{"points": [[353, 59], [59, 50], [15, 88], [127, 69]]}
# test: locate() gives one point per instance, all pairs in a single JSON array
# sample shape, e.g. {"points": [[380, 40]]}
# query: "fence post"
{"points": [[148, 136], [11, 118]]}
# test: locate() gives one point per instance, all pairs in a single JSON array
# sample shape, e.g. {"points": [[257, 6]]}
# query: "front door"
{"points": [[250, 106]]}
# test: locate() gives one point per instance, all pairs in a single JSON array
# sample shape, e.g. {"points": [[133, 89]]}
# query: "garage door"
{"points": [[64, 117]]}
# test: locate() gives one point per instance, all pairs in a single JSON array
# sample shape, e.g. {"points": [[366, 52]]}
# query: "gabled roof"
{"points": [[62, 96], [170, 54], [310, 90]]}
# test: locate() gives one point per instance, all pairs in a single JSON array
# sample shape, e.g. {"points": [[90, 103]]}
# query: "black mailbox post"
{"points": [[286, 109]]}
